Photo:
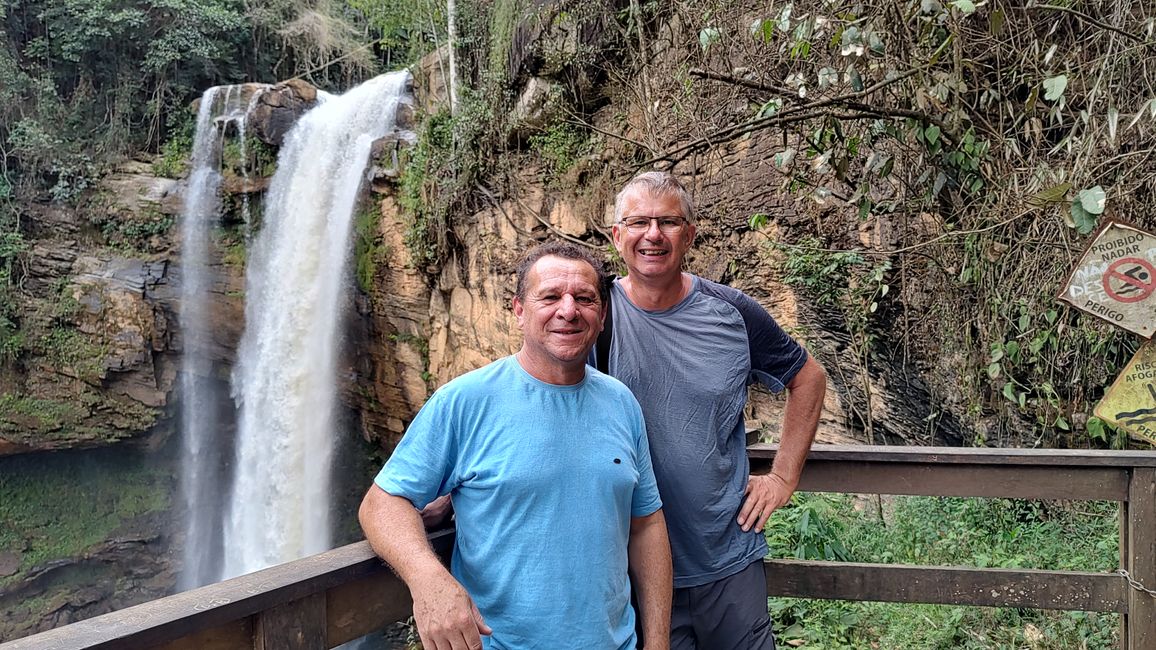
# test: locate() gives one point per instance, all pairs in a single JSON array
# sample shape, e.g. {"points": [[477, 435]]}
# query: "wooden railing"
{"points": [[328, 599]]}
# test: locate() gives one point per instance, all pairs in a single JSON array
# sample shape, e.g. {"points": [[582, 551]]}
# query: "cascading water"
{"points": [[285, 379], [201, 475]]}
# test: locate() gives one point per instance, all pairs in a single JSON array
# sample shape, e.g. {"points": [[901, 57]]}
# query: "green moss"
{"points": [[84, 417], [22, 416], [252, 157], [368, 248], [57, 506]]}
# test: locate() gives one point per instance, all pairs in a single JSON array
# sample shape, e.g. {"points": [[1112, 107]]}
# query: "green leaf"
{"points": [[1083, 221], [1013, 349], [996, 22], [1054, 87], [1024, 322], [1009, 391], [1096, 429], [996, 351], [1062, 424], [1053, 194], [1093, 199], [763, 29], [993, 370], [758, 220], [932, 134], [965, 6], [708, 36]]}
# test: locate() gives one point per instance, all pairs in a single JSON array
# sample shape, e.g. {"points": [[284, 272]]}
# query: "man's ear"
{"points": [[519, 310]]}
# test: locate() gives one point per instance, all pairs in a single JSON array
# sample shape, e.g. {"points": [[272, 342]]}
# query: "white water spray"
{"points": [[285, 379], [201, 471]]}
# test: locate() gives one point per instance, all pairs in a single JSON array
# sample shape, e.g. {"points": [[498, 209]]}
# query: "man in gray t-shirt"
{"points": [[688, 348]]}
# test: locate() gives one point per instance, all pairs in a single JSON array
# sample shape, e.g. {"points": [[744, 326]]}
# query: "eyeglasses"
{"points": [[667, 225]]}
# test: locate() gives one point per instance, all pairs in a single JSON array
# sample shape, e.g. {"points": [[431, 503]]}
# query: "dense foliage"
{"points": [[983, 533]]}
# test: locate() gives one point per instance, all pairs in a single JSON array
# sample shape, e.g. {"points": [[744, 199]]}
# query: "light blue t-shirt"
{"points": [[689, 366], [545, 480]]}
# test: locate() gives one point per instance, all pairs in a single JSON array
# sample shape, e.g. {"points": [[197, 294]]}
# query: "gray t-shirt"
{"points": [[689, 366]]}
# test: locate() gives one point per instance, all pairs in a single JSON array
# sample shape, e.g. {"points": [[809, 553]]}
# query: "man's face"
{"points": [[651, 252], [561, 315]]}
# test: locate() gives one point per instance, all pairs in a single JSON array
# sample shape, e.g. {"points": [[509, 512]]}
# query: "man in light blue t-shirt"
{"points": [[688, 348], [557, 509]]}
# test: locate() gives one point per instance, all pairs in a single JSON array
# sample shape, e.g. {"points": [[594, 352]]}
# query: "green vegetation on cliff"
{"points": [[57, 506]]}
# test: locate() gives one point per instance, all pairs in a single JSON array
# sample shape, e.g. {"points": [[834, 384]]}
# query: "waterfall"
{"points": [[201, 459], [284, 382]]}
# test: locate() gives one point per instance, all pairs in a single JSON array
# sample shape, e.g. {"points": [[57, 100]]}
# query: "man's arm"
{"points": [[769, 492], [651, 573], [445, 615]]}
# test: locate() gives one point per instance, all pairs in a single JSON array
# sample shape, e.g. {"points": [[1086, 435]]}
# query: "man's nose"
{"points": [[652, 230], [567, 308]]}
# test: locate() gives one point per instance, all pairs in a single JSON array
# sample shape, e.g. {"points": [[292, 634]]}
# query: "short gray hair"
{"points": [[655, 184]]}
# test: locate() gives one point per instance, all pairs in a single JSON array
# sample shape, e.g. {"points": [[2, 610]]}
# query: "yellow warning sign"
{"points": [[1130, 403], [1116, 278]]}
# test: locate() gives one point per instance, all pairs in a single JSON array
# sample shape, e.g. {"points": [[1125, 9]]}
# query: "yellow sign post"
{"points": [[1130, 403]]}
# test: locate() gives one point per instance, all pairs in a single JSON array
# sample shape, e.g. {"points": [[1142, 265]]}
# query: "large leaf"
{"points": [[1093, 199], [1083, 221], [1054, 194], [965, 6], [708, 36], [1054, 87]]}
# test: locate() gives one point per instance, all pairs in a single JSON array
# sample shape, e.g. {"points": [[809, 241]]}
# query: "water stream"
{"points": [[284, 382]]}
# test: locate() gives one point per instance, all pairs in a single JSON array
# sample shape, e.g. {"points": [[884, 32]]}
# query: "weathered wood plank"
{"points": [[298, 625], [366, 605], [234, 635], [215, 606], [958, 480], [970, 455], [1092, 592], [1140, 560]]}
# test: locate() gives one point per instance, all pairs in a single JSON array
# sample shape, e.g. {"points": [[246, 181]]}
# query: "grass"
{"points": [[1003, 533]]}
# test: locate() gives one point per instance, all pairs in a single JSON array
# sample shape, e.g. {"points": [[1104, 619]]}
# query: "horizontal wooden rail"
{"points": [[898, 583], [355, 593], [951, 472], [329, 599]]}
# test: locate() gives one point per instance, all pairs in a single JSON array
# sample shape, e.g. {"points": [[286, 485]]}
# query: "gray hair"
{"points": [[656, 184]]}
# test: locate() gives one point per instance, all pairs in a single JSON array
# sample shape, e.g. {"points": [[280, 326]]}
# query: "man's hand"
{"points": [[765, 494], [446, 617], [437, 512]]}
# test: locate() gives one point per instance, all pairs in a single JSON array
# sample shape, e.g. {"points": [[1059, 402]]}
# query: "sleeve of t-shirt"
{"points": [[421, 466], [775, 357], [646, 499]]}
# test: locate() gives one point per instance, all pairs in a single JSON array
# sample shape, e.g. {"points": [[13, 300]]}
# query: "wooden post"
{"points": [[296, 625], [1140, 559]]}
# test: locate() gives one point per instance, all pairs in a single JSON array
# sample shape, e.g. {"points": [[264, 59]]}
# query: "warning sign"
{"points": [[1116, 278], [1130, 403]]}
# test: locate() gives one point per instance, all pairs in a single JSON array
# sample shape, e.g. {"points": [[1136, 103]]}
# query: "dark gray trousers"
{"points": [[728, 614]]}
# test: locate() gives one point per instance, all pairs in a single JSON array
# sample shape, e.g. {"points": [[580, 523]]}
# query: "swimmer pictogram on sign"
{"points": [[1129, 280], [1115, 278]]}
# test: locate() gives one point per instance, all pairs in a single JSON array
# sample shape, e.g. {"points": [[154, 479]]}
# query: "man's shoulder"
{"points": [[721, 291], [482, 379]]}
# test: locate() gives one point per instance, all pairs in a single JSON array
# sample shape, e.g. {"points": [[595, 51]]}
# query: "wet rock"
{"points": [[278, 109]]}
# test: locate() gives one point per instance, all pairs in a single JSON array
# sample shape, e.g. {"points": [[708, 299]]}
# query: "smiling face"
{"points": [[560, 317], [652, 254]]}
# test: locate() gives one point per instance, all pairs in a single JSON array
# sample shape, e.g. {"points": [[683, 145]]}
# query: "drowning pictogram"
{"points": [[1129, 279]]}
